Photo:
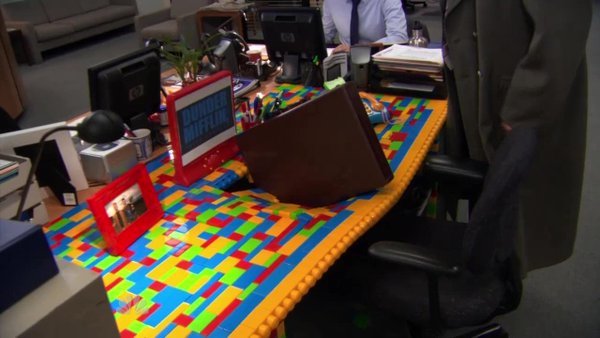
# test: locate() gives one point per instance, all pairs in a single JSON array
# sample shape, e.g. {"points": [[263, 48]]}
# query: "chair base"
{"points": [[492, 330], [489, 331]]}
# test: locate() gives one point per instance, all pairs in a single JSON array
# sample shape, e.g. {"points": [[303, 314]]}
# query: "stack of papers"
{"points": [[407, 59], [8, 169]]}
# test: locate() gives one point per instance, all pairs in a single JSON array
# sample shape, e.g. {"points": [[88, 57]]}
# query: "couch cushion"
{"points": [[180, 7], [161, 31], [98, 17], [90, 5], [49, 31], [31, 11], [58, 9]]}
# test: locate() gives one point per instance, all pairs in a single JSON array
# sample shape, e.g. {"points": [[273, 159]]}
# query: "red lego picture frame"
{"points": [[202, 127], [125, 209]]}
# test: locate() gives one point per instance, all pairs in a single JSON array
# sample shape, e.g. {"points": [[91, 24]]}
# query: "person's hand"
{"points": [[343, 48], [507, 128]]}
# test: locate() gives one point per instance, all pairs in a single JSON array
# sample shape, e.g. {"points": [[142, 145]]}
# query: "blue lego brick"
{"points": [[273, 280], [248, 276], [169, 299], [165, 332], [219, 333]]}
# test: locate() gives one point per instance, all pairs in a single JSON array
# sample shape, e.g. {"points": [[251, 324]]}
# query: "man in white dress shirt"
{"points": [[378, 21]]}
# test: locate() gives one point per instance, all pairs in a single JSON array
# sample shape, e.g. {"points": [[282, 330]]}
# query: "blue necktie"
{"points": [[354, 23]]}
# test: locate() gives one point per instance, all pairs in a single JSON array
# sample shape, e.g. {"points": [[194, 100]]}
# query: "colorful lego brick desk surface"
{"points": [[234, 264]]}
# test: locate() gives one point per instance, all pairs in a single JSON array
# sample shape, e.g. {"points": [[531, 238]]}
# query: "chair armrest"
{"points": [[443, 168], [29, 38], [24, 26], [426, 259], [186, 24], [145, 20]]}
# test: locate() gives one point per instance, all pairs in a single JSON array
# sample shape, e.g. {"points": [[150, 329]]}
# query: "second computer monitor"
{"points": [[128, 85], [293, 36]]}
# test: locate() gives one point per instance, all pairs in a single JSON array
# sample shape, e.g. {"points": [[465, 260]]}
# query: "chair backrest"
{"points": [[490, 235], [181, 7]]}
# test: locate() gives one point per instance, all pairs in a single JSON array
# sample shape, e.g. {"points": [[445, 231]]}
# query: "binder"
{"points": [[318, 153]]}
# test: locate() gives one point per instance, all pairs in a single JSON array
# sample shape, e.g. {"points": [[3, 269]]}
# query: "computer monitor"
{"points": [[202, 127], [128, 85], [293, 36]]}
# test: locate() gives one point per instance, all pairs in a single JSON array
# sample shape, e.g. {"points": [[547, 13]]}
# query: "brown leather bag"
{"points": [[318, 153]]}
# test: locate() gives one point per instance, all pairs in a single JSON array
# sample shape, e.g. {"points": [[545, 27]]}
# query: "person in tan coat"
{"points": [[522, 62]]}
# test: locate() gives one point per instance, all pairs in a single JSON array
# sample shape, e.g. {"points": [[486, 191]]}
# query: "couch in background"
{"points": [[173, 23], [46, 24]]}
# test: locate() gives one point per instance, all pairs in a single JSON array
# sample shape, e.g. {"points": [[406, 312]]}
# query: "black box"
{"points": [[26, 261]]}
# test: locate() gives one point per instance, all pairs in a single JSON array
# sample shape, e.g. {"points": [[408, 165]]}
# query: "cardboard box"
{"points": [[26, 261], [105, 162], [71, 304]]}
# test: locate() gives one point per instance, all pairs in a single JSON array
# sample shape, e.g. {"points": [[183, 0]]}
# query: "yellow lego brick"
{"points": [[223, 300], [156, 243], [279, 226], [167, 320], [242, 331], [80, 215], [291, 245], [80, 227], [214, 247], [108, 278], [173, 197], [178, 277], [221, 200], [262, 257], [200, 282], [158, 272], [179, 331], [226, 265]]}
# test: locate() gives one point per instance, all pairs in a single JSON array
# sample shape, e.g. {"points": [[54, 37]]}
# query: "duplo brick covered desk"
{"points": [[234, 264]]}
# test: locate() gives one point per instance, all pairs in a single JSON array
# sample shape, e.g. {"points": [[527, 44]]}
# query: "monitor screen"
{"points": [[128, 85], [202, 127], [293, 36], [204, 119]]}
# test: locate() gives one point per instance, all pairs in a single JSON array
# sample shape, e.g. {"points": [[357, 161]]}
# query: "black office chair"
{"points": [[409, 6], [7, 124], [448, 274]]}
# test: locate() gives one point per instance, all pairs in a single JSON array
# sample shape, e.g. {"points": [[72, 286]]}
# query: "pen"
{"points": [[128, 131], [258, 105], [267, 111]]}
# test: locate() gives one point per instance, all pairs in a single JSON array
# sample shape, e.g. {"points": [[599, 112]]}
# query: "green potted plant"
{"points": [[187, 61]]}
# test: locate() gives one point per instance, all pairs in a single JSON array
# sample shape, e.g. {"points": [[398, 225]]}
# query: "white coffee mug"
{"points": [[143, 143]]}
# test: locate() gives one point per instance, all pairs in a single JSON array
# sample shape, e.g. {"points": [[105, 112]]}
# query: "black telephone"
{"points": [[230, 52]]}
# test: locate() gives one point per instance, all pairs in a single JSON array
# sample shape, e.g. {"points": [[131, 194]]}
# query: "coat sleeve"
{"points": [[543, 78]]}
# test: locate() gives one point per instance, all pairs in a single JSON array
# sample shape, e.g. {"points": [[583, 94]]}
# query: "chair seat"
{"points": [[164, 30], [49, 31], [464, 300]]}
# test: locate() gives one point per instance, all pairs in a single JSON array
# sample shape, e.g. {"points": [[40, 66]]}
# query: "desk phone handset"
{"points": [[334, 66], [230, 52]]}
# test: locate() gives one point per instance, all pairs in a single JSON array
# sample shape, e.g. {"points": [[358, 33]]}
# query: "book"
{"points": [[7, 163], [318, 153], [243, 85]]}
